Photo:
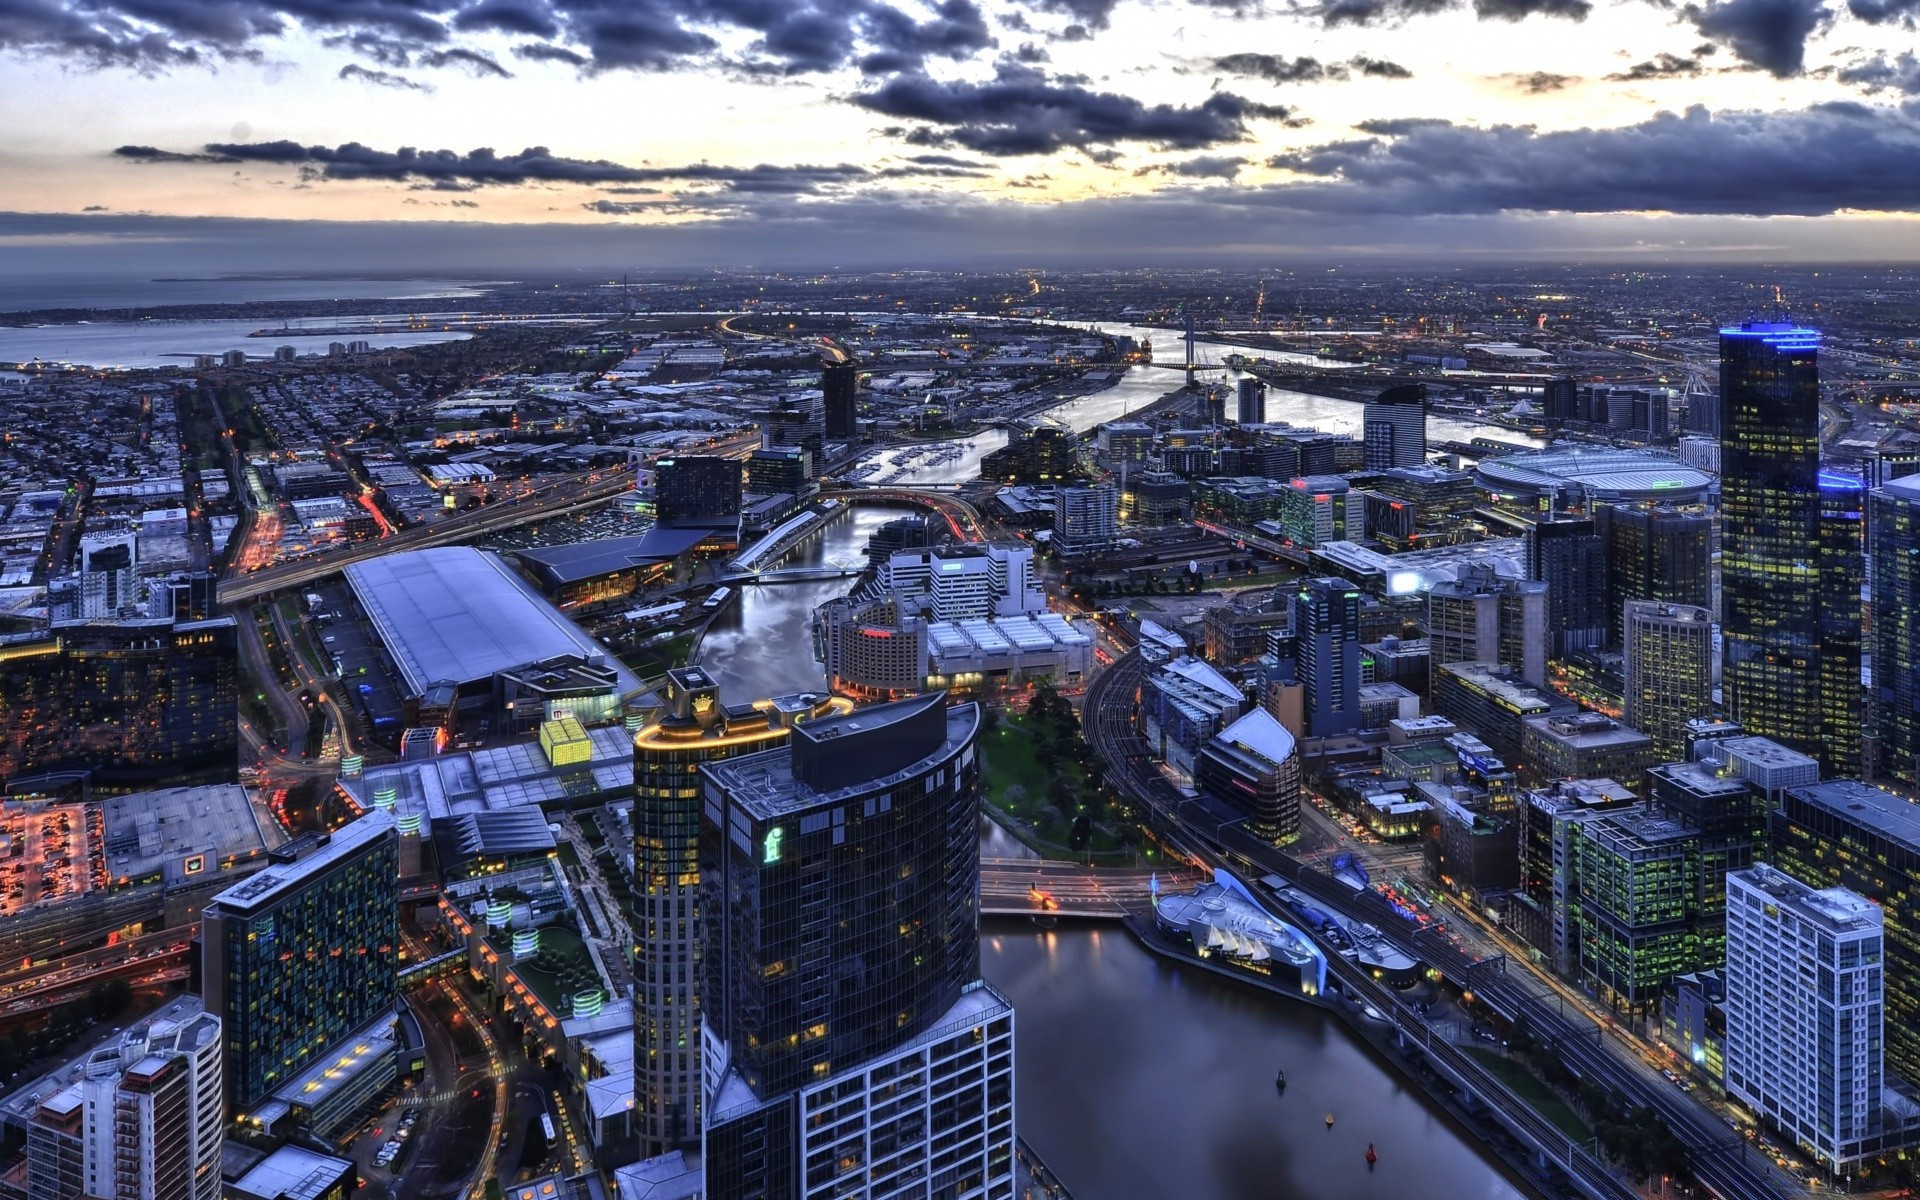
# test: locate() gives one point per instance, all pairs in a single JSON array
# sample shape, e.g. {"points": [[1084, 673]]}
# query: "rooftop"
{"points": [[1836, 910], [454, 614], [1260, 733], [292, 1171], [1603, 474], [576, 561], [164, 830], [1863, 804], [276, 881]]}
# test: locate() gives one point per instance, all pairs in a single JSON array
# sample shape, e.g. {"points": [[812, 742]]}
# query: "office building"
{"points": [[1669, 671], [138, 1119], [1895, 529], [696, 490], [1183, 704], [1587, 745], [856, 1049], [1044, 454], [1654, 552], [1565, 553], [780, 472], [1544, 909], [1841, 617], [886, 648], [1805, 983], [125, 705], [1843, 833], [1637, 878], [1494, 702], [303, 954], [1394, 428], [1769, 423], [695, 728], [1313, 511], [1253, 765], [1127, 445], [840, 397], [1085, 520], [1251, 397], [963, 582], [1484, 617], [1326, 628]]}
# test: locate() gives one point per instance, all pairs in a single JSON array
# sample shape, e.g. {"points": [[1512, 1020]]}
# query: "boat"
{"points": [[1329, 1120], [1280, 1081], [1372, 1158]]}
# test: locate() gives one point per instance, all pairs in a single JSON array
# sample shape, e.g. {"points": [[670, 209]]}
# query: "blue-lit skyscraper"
{"points": [[1770, 505]]}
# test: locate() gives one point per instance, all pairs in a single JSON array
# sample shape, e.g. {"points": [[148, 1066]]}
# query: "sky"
{"points": [[508, 134]]}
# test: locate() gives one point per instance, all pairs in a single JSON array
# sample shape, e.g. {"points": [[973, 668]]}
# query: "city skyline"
{"points": [[282, 135]]}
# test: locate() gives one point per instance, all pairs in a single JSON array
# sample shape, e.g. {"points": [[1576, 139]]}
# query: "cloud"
{"points": [[1881, 73], [1274, 68], [541, 52], [385, 79], [1875, 12], [152, 154], [1520, 10], [1377, 12], [476, 63], [1206, 166], [1661, 66], [1768, 34], [1022, 111], [1378, 68], [1540, 83], [1810, 162]]}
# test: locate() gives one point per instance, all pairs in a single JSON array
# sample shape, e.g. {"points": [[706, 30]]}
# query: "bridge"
{"points": [[558, 496], [1040, 887], [961, 517], [775, 544]]}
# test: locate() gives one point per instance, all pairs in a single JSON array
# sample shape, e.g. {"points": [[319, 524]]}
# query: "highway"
{"points": [[1044, 887], [1720, 1157], [551, 498]]}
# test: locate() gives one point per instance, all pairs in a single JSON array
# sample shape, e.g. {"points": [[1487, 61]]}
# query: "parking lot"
{"points": [[364, 673], [50, 853]]}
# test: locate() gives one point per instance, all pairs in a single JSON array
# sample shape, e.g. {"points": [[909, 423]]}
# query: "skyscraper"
{"points": [[132, 705], [856, 1048], [1669, 671], [1085, 519], [1805, 978], [1251, 397], [696, 489], [304, 953], [839, 389], [1565, 553], [1326, 628], [1769, 424], [1394, 427], [695, 729], [1841, 695], [1895, 528], [1653, 552], [1484, 617]]}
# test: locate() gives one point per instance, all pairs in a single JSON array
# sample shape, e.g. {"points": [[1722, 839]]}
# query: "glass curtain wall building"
{"points": [[1895, 529], [1842, 697], [695, 729], [1770, 506]]}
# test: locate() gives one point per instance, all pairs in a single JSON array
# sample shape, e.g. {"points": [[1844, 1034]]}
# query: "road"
{"points": [[1721, 1159], [1015, 886], [826, 349]]}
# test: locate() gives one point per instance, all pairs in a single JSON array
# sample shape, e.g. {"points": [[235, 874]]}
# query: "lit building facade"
{"points": [[695, 730], [1895, 528], [1769, 425], [1484, 617], [1654, 552], [1842, 698], [1394, 428], [1086, 520], [696, 489], [1326, 629], [1254, 765], [131, 705], [1669, 671], [1566, 553], [304, 953]]}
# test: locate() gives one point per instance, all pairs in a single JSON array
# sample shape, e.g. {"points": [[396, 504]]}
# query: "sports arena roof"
{"points": [[457, 615], [1598, 473]]}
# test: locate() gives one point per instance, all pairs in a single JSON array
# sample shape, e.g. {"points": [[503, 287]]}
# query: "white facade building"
{"points": [[1805, 985], [962, 583]]}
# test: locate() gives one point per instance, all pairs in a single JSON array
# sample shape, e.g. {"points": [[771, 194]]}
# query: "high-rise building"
{"points": [[1558, 400], [1254, 766], [1044, 454], [1484, 617], [1250, 395], [1669, 671], [1654, 552], [856, 1049], [1566, 553], [773, 472], [1394, 427], [304, 953], [1313, 511], [1805, 980], [696, 728], [1637, 874], [138, 1119], [1545, 908], [966, 582], [1844, 833], [1842, 697], [1326, 627], [130, 705], [696, 489], [1086, 520], [1769, 424], [1895, 529], [840, 394]]}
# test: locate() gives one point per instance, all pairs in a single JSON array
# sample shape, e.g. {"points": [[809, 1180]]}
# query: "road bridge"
{"points": [[1033, 887], [963, 518]]}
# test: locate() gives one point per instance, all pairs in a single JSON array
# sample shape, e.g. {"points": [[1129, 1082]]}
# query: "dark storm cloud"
{"points": [[1768, 34], [1876, 11], [1806, 163], [1880, 73], [1023, 111], [541, 52]]}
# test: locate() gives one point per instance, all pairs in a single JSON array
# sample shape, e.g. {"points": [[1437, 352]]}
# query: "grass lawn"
{"points": [[1543, 1099], [1008, 762]]}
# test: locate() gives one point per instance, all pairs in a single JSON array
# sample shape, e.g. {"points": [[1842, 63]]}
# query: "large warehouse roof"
{"points": [[457, 615], [1604, 474]]}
